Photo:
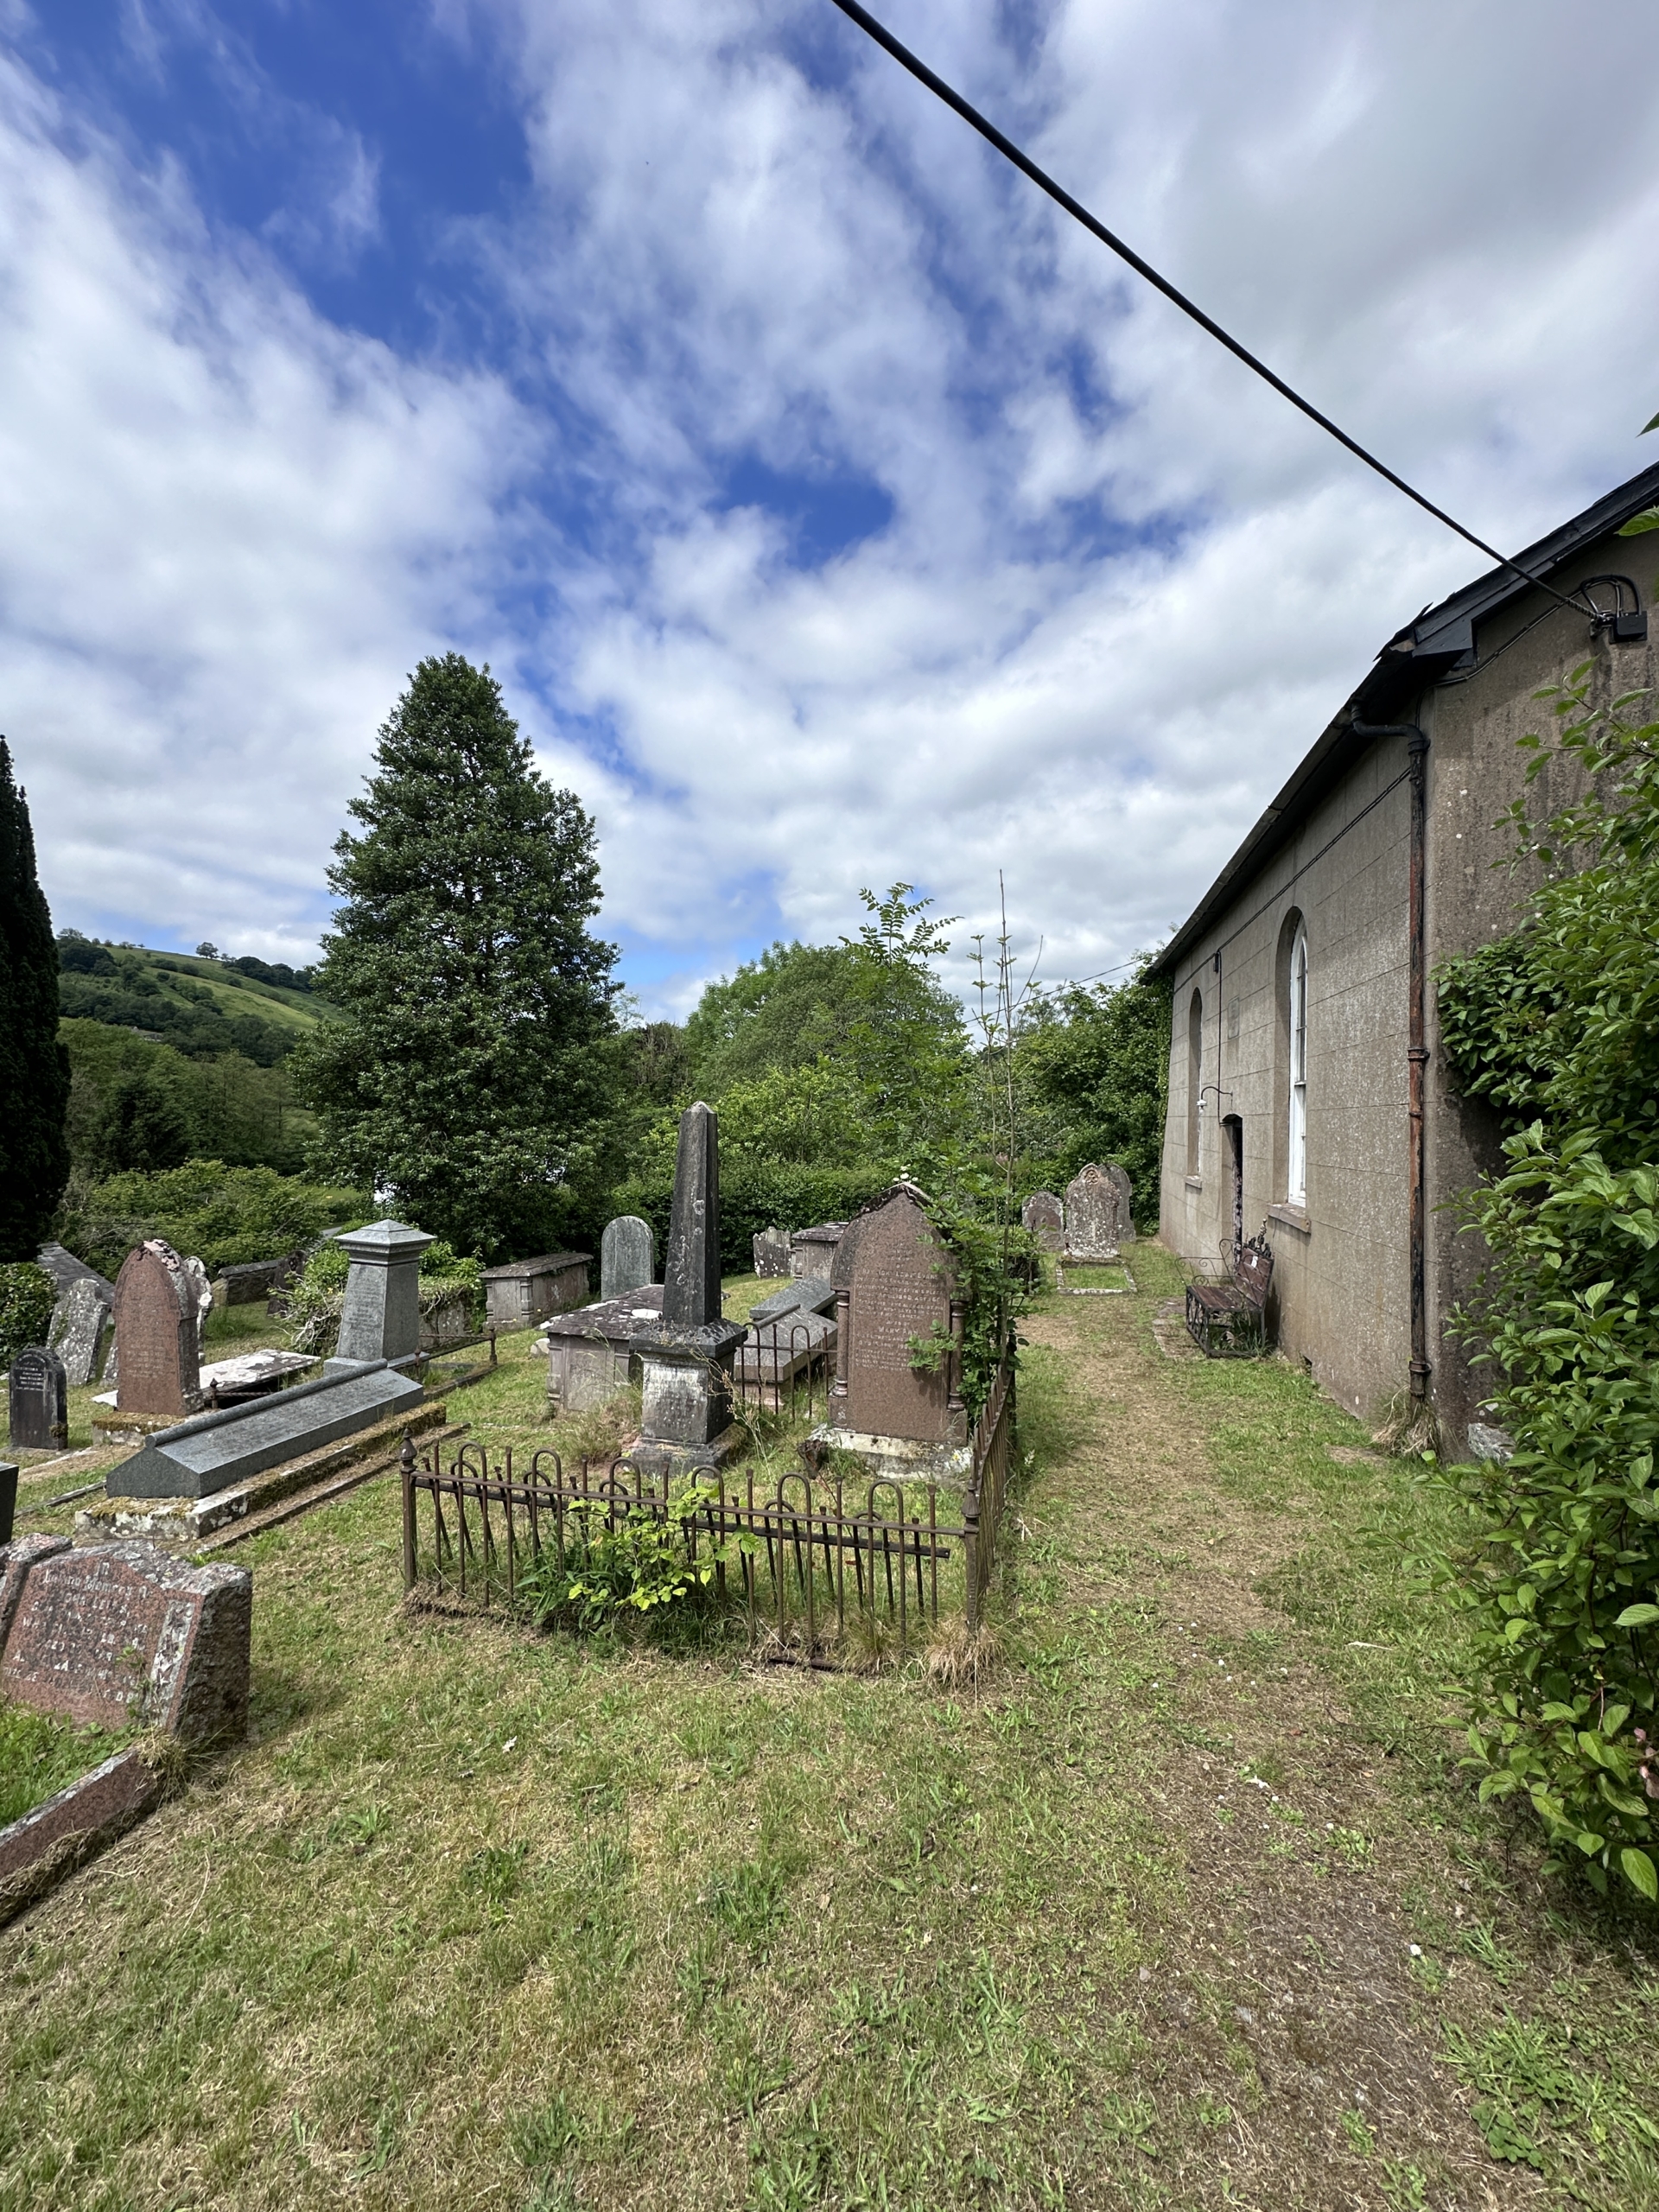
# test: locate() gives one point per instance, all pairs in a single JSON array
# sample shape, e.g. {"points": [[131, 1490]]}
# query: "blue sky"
{"points": [[832, 514]]}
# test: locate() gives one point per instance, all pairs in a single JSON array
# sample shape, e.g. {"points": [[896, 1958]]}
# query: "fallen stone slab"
{"points": [[37, 1851], [195, 1458], [121, 1635], [805, 1294]]}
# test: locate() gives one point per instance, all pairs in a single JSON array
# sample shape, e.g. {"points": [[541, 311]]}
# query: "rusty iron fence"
{"points": [[828, 1569], [783, 1367]]}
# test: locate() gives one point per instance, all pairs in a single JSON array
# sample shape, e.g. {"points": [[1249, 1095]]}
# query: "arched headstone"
{"points": [[1044, 1216], [1092, 1216], [40, 1404], [157, 1327], [627, 1256]]}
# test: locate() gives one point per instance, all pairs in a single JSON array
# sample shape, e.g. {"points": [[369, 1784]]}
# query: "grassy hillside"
{"points": [[202, 1008]]}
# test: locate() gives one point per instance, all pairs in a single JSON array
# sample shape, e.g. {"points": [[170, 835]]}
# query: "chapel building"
{"points": [[1309, 1098]]}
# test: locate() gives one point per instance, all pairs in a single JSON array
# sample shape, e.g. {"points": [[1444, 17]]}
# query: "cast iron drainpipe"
{"points": [[1416, 1049]]}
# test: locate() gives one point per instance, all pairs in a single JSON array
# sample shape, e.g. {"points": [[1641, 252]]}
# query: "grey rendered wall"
{"points": [[1341, 1285]]}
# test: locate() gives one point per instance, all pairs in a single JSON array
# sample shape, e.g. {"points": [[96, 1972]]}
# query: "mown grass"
{"points": [[478, 1918], [39, 1756]]}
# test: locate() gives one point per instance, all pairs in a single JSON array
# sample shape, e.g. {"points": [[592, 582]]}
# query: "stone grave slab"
{"points": [[589, 1356], [112, 1635], [1093, 1211], [82, 1322], [39, 1401], [523, 1292], [771, 1248], [217, 1449], [1044, 1216], [627, 1256], [777, 1354], [65, 1269], [805, 1294], [157, 1335]]}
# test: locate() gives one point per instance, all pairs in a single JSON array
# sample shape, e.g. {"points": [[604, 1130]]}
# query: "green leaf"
{"points": [[1637, 1870], [1637, 1617], [1648, 520], [1614, 1719]]}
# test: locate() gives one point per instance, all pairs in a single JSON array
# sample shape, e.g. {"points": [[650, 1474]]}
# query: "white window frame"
{"points": [[1296, 1133]]}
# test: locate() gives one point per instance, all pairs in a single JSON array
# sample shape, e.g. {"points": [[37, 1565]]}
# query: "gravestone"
{"points": [[9, 1472], [1044, 1216], [217, 1449], [590, 1352], [771, 1250], [40, 1405], [1093, 1211], [522, 1292], [156, 1346], [198, 1294], [113, 1635], [381, 1316], [686, 1358], [82, 1323], [901, 1288], [1125, 1202], [812, 1251], [627, 1256]]}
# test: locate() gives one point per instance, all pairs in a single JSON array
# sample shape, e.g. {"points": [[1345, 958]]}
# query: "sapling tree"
{"points": [[473, 1071]]}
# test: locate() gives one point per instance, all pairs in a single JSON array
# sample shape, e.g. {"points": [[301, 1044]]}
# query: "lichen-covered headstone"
{"points": [[627, 1256], [1125, 1202], [1093, 1216], [156, 1334], [1044, 1216], [771, 1248], [39, 1403], [81, 1325]]}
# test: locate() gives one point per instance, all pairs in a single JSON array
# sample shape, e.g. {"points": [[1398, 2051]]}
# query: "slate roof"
{"points": [[1441, 636]]}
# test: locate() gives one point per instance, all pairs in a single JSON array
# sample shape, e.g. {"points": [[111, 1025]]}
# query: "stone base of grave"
{"points": [[893, 1458], [184, 1523], [117, 1428], [37, 1851], [686, 1397]]}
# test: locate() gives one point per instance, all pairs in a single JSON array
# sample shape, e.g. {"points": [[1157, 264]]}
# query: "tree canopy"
{"points": [[33, 1066]]}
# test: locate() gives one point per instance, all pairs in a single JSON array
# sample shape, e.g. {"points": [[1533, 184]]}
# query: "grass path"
{"points": [[1186, 1907]]}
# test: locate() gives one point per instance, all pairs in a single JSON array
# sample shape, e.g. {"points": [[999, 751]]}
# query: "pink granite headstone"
{"points": [[156, 1336]]}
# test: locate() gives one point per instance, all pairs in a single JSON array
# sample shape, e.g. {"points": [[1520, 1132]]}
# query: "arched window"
{"points": [[1296, 1037], [1194, 1077]]}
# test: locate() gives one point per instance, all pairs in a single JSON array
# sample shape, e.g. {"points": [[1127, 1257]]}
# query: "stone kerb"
{"points": [[380, 1318]]}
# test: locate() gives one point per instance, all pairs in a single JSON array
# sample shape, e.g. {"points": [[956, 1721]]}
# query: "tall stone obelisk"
{"points": [[686, 1419]]}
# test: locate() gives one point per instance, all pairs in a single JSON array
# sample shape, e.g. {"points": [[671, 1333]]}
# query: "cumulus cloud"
{"points": [[834, 511]]}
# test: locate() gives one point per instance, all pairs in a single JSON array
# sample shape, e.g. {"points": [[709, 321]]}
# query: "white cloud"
{"points": [[1123, 585]]}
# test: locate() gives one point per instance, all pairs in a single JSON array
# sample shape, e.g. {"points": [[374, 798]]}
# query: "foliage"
{"points": [[27, 1295], [126, 987], [318, 1296], [1558, 1562], [475, 1071], [1097, 1060], [641, 1560], [33, 1070], [755, 1195], [225, 1214], [138, 1105]]}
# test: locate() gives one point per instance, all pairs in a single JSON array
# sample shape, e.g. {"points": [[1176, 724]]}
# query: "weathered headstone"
{"points": [[381, 1316], [902, 1291], [812, 1251], [8, 1472], [686, 1359], [1092, 1216], [627, 1256], [156, 1336], [1044, 1216], [198, 1294], [772, 1250], [40, 1404], [1125, 1202], [112, 1634], [82, 1322]]}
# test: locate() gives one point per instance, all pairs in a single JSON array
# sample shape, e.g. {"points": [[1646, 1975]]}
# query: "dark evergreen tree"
{"points": [[474, 1070], [33, 1066]]}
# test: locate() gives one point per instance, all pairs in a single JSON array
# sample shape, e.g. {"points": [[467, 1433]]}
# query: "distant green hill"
{"points": [[200, 1007]]}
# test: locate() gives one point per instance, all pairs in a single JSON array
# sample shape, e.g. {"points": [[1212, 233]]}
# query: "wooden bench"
{"points": [[1228, 1321]]}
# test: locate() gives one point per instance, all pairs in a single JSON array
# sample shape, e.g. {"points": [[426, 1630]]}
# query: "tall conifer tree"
{"points": [[473, 1072], [34, 1065]]}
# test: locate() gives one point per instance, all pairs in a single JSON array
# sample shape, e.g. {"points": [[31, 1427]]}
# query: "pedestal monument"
{"points": [[686, 1358]]}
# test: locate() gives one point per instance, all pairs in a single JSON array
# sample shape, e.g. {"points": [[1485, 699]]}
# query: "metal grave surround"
{"points": [[208, 1454]]}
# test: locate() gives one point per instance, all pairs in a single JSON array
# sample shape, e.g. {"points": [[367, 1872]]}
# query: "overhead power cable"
{"points": [[1022, 161]]}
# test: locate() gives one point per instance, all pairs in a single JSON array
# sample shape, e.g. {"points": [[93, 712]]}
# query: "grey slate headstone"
{"points": [[381, 1316], [82, 1322], [39, 1406], [207, 1454], [627, 1256], [771, 1248], [691, 1278]]}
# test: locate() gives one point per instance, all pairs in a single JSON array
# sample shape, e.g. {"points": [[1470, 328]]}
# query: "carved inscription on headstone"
{"points": [[899, 1292], [156, 1334], [1092, 1216], [1044, 1216], [113, 1634], [39, 1405]]}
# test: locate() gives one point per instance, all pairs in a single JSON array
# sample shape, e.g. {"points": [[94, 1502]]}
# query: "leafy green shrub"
{"points": [[1558, 1563], [641, 1561], [27, 1295], [225, 1214]]}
